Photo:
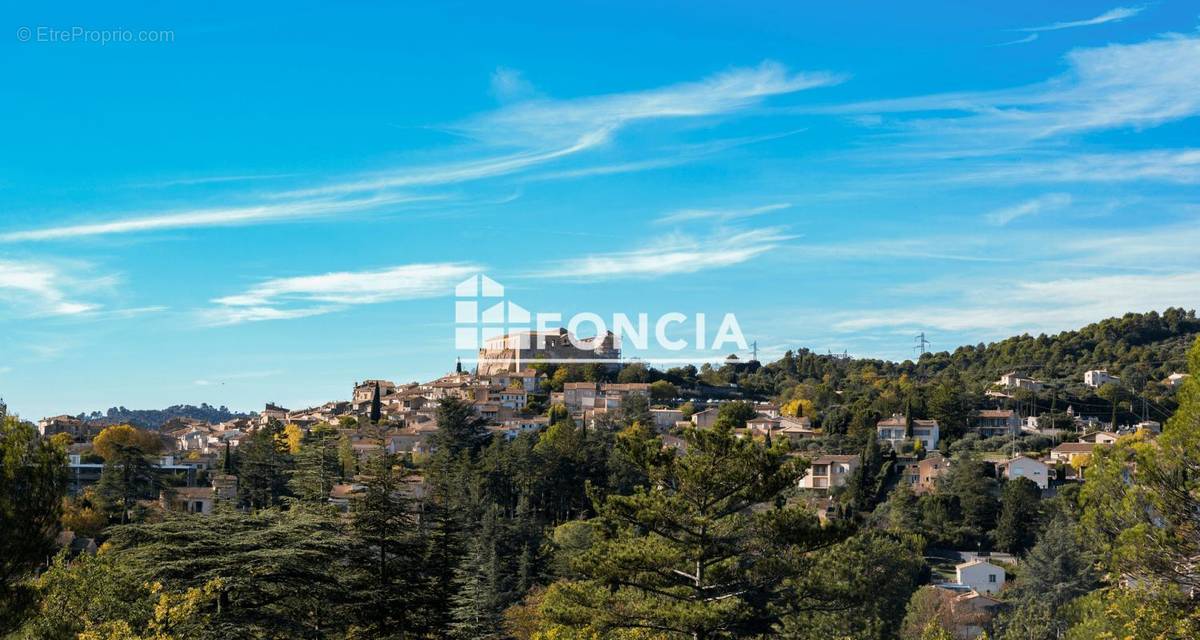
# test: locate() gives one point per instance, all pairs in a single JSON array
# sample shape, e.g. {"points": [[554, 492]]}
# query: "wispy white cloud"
{"points": [[1029, 38], [1167, 246], [214, 217], [40, 289], [544, 130], [671, 157], [1180, 166], [1149, 267], [510, 84], [1024, 306], [553, 130], [1117, 86], [674, 255], [305, 296], [724, 215], [555, 123], [202, 180], [450, 173], [608, 169], [1112, 15], [1040, 204]]}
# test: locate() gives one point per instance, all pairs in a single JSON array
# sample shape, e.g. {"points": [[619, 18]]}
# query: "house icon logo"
{"points": [[481, 313]]}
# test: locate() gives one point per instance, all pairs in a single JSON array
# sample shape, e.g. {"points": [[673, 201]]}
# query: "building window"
{"points": [[991, 577]]}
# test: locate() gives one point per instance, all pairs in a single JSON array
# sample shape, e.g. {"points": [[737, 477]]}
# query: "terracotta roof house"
{"points": [[1071, 452]]}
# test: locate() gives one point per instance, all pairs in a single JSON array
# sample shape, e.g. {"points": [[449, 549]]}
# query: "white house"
{"points": [[981, 575], [1098, 378], [1175, 379], [1026, 467], [1152, 426], [513, 398]]}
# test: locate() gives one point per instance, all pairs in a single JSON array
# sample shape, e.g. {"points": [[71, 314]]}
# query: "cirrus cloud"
{"points": [[306, 296]]}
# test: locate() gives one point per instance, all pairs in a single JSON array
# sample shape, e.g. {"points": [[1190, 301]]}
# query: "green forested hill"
{"points": [[1141, 348]]}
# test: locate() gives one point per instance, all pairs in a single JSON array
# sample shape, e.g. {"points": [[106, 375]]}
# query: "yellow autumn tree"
{"points": [[176, 616], [113, 438], [293, 436]]}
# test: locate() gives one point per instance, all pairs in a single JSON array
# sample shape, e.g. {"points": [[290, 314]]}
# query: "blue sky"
{"points": [[279, 200]]}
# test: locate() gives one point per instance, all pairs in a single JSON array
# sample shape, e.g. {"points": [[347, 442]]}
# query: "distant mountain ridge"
{"points": [[156, 418]]}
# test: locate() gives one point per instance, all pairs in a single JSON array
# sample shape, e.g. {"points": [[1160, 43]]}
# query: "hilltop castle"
{"points": [[516, 351]]}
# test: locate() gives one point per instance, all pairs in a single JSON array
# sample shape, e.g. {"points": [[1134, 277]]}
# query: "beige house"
{"points": [[892, 430], [928, 472], [996, 422], [1072, 453], [1012, 380], [188, 499], [64, 424], [829, 471], [665, 419], [705, 419], [589, 396], [1099, 437], [796, 429]]}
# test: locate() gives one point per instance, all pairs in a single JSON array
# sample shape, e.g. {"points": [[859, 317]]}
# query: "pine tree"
{"points": [[33, 481], [950, 408], [481, 588], [459, 428], [441, 536], [388, 549], [282, 573], [1020, 511], [346, 458], [686, 555], [126, 477], [316, 467], [973, 489], [1057, 570], [262, 468]]}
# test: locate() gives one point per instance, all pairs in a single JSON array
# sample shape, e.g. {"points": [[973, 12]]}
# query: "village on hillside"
{"points": [[1005, 440]]}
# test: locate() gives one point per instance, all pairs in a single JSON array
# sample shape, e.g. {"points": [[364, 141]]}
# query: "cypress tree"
{"points": [[376, 406]]}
